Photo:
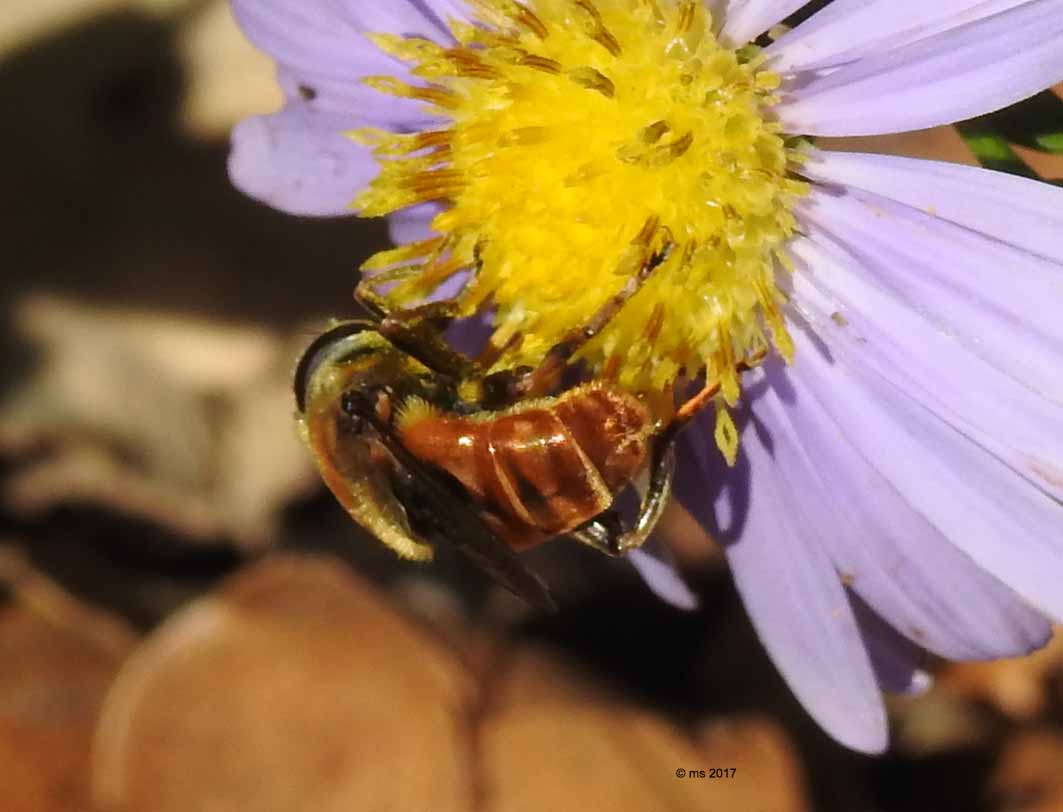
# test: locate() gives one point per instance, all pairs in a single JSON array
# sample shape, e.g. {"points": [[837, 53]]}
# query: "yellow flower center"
{"points": [[567, 127]]}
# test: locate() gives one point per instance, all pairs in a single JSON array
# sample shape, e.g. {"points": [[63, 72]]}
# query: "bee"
{"points": [[422, 446]]}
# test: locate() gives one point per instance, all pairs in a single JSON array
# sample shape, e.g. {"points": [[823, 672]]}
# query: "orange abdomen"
{"points": [[543, 467]]}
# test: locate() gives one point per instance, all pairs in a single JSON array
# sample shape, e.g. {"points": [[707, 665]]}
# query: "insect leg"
{"points": [[543, 378], [605, 532], [694, 404], [417, 332]]}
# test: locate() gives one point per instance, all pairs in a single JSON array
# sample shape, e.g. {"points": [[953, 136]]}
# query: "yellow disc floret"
{"points": [[565, 127]]}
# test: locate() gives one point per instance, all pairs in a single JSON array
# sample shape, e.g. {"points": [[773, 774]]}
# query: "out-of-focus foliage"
{"points": [[1025, 139]]}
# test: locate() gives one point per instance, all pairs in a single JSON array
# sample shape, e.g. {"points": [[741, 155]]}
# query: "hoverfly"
{"points": [[421, 445]]}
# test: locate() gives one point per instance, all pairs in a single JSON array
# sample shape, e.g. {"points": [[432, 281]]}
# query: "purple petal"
{"points": [[443, 11], [897, 661], [887, 553], [745, 20], [847, 30], [362, 105], [655, 566], [299, 161], [1025, 213], [909, 476], [418, 18], [323, 54], [963, 72], [413, 224], [789, 585], [467, 336], [315, 37], [923, 436], [1001, 303]]}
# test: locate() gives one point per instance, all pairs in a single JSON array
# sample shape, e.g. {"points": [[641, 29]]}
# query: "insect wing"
{"points": [[346, 464], [448, 509]]}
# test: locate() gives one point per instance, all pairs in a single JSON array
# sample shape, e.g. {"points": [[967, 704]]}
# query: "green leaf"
{"points": [[1036, 123], [992, 149], [1051, 142]]}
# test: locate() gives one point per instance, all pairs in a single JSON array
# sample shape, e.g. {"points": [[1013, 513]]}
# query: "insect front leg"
{"points": [[606, 533], [418, 331]]}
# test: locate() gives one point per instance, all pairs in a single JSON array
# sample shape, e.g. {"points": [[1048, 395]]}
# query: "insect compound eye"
{"points": [[353, 405], [355, 424]]}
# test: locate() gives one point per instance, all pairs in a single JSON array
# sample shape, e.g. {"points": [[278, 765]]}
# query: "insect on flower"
{"points": [[421, 444], [888, 483]]}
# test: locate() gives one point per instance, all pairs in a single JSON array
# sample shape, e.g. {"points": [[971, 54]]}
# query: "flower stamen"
{"points": [[569, 125]]}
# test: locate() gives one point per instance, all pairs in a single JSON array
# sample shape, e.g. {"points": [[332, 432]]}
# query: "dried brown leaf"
{"points": [[552, 738], [937, 722], [937, 143], [181, 421], [52, 685], [1046, 164], [294, 687], [1029, 772], [1016, 686]]}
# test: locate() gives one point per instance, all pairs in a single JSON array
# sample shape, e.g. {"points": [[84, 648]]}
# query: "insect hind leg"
{"points": [[606, 533]]}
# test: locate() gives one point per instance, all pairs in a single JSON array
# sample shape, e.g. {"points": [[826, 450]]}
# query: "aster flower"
{"points": [[889, 481]]}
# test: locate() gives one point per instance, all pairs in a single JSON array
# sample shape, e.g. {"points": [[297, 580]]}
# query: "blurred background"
{"points": [[188, 621]]}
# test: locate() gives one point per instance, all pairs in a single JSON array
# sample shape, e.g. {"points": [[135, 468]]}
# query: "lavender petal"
{"points": [[363, 105], [315, 37], [656, 568], [956, 74], [789, 585], [847, 30], [413, 224], [744, 20], [299, 161], [897, 661], [323, 54], [443, 11], [412, 18], [1024, 213], [1001, 303], [887, 553], [926, 442]]}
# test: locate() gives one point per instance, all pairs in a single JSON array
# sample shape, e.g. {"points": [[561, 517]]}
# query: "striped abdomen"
{"points": [[543, 467]]}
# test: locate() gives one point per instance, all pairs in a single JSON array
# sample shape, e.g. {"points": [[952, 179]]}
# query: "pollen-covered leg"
{"points": [[418, 331]]}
